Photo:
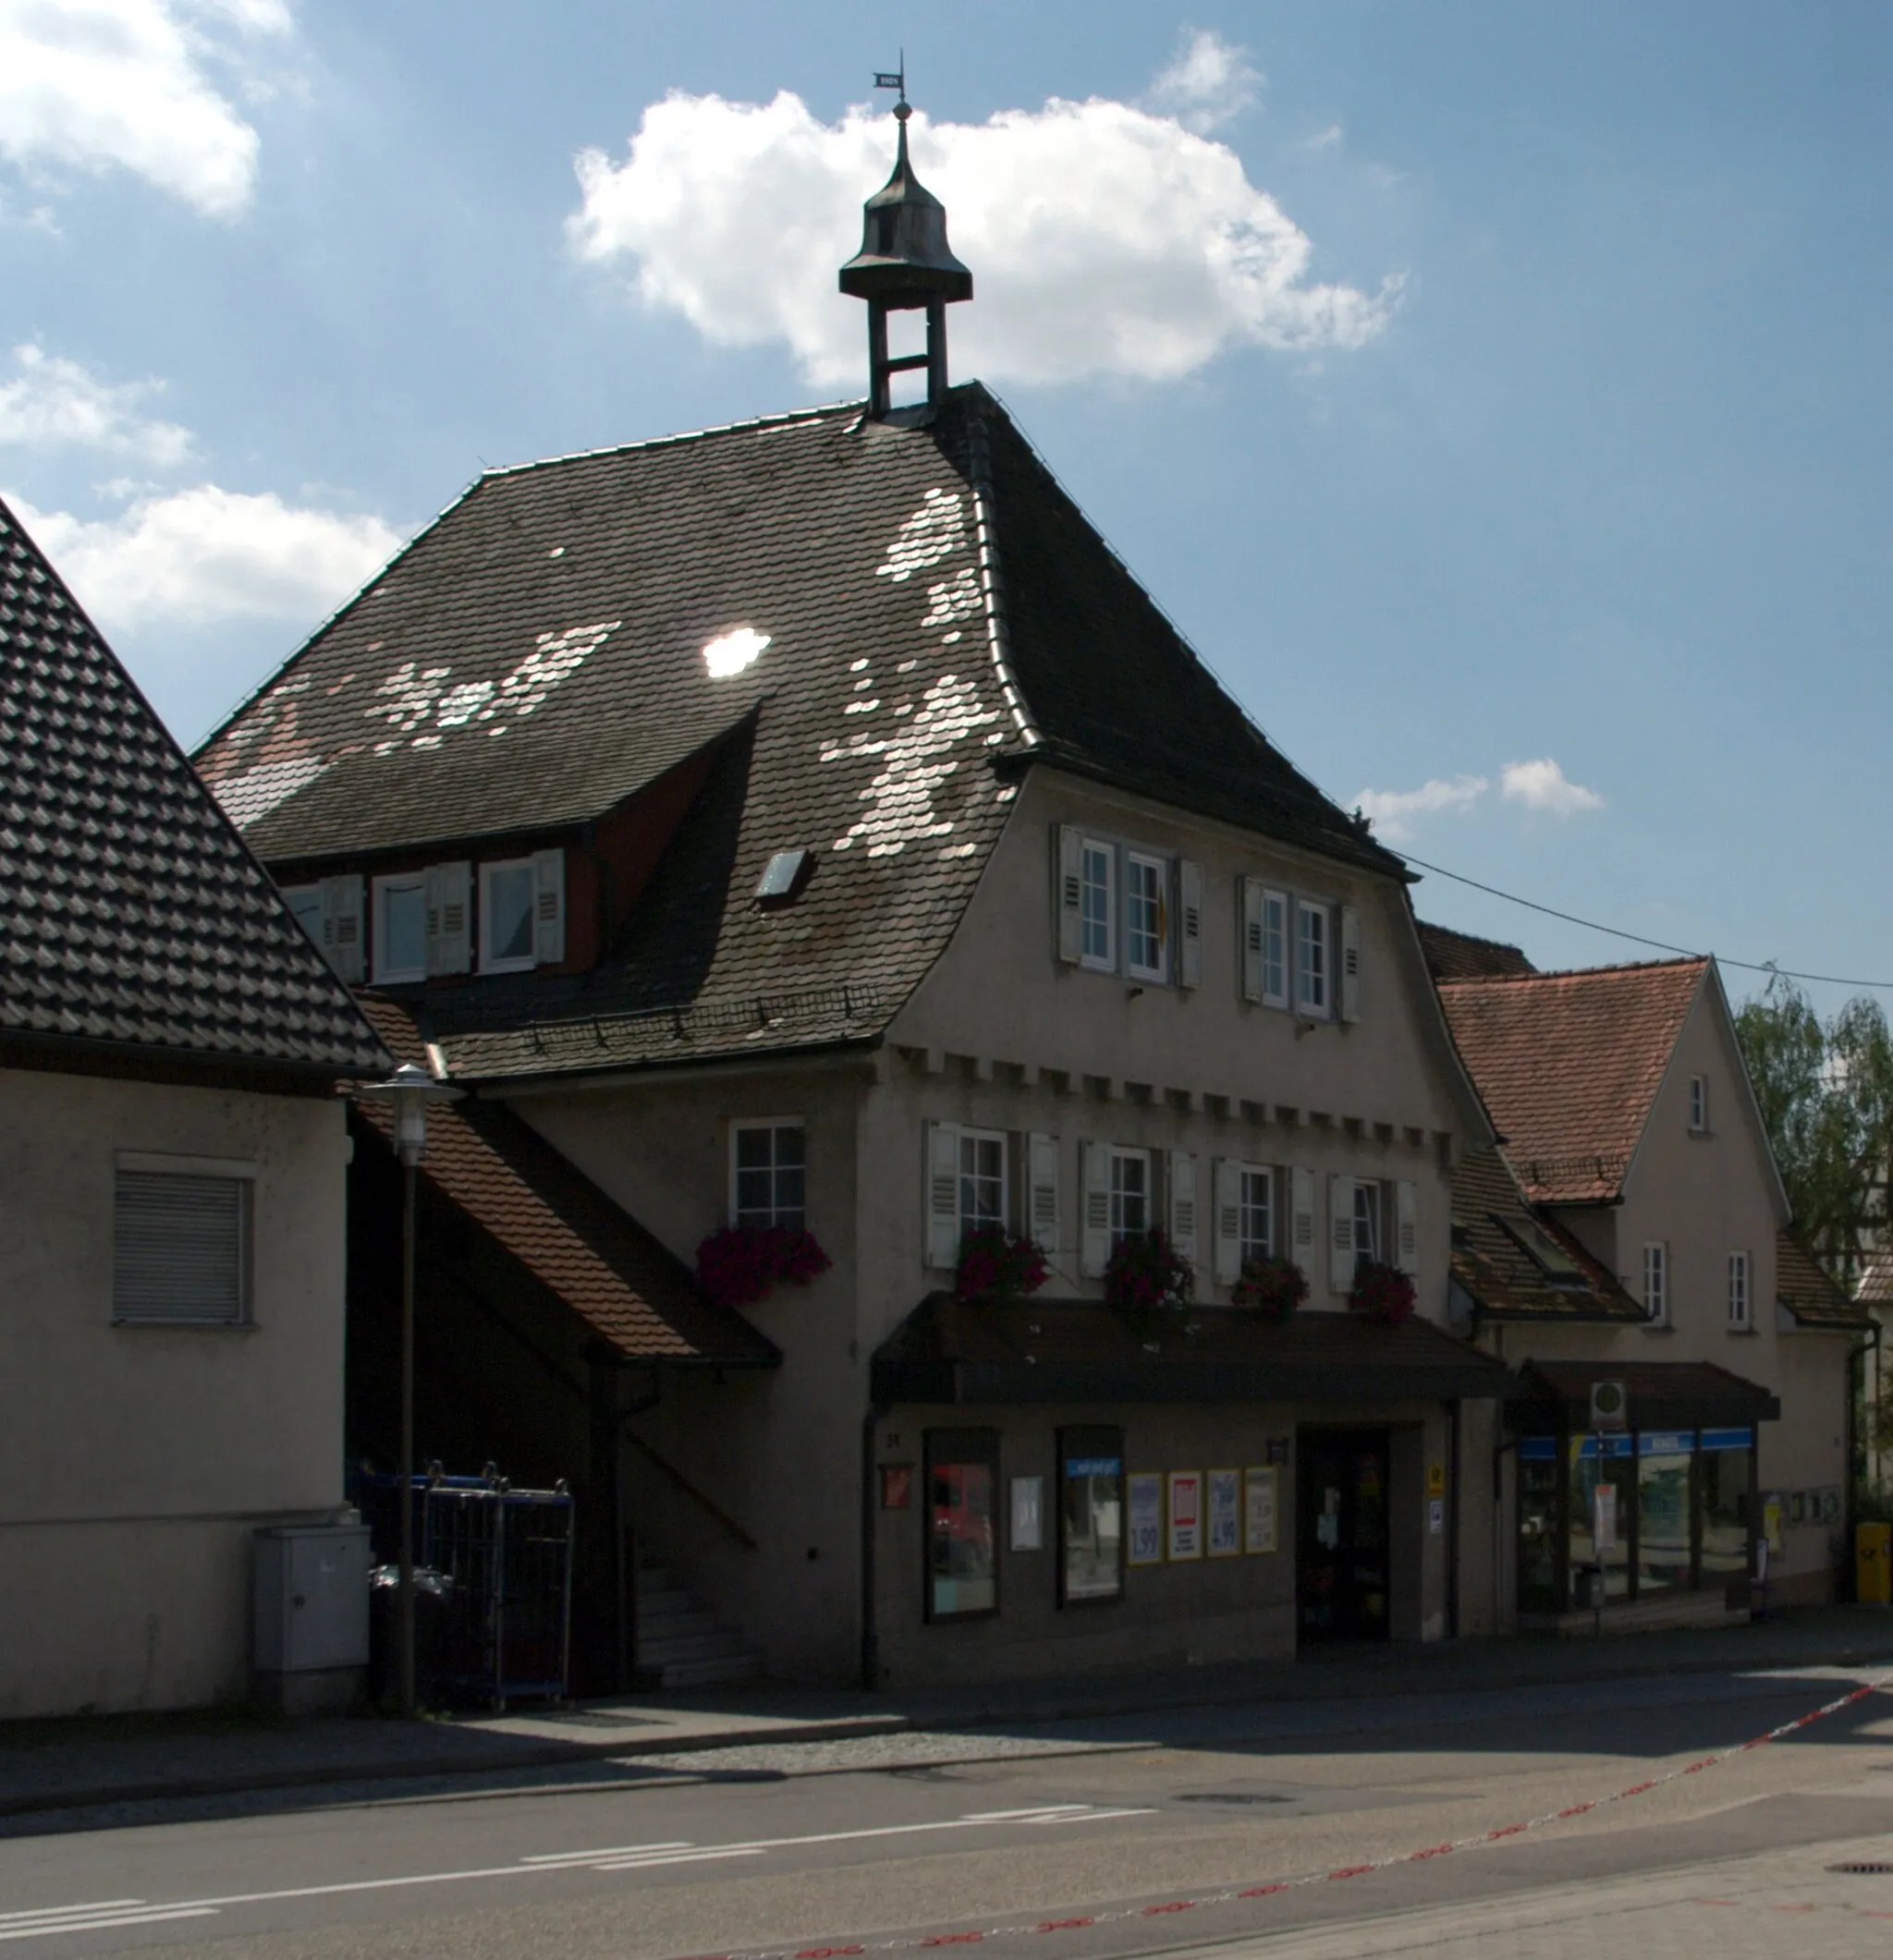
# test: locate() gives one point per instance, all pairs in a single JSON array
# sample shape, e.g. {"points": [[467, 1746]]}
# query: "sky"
{"points": [[1494, 394]]}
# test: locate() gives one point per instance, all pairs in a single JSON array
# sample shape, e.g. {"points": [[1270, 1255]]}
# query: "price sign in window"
{"points": [[1146, 1546], [962, 1526], [1225, 1513], [1091, 1516]]}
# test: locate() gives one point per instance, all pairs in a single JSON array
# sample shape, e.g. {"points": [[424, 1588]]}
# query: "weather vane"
{"points": [[897, 82]]}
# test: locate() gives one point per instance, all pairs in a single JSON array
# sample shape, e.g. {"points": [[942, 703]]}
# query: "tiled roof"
{"points": [[1459, 956], [1570, 1064], [556, 1224], [130, 913], [1805, 1287], [937, 613], [1495, 1227]]}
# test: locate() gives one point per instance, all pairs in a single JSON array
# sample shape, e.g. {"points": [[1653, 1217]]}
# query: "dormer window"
{"points": [[400, 928], [508, 895]]}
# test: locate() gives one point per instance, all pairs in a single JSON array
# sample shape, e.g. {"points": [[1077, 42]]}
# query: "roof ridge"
{"points": [[1551, 973], [781, 419]]}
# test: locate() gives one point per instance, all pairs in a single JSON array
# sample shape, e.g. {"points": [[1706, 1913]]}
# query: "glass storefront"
{"points": [[1664, 1557], [1091, 1516], [1725, 1464], [962, 1529], [1600, 1489], [1538, 1523]]}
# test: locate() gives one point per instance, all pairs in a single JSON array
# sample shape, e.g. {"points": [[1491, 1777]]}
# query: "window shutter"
{"points": [[449, 914], [1181, 1192], [1252, 939], [1302, 1209], [549, 881], [1042, 1191], [1407, 1225], [1068, 898], [1190, 923], [943, 1196], [178, 1247], [1340, 1234], [342, 935], [1350, 963], [1225, 1176], [1094, 1228]]}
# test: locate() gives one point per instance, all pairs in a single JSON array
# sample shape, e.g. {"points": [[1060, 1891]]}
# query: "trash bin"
{"points": [[432, 1592], [1872, 1569], [1587, 1588]]}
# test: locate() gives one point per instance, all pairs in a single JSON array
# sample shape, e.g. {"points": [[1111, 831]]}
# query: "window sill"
{"points": [[404, 979], [506, 966], [1664, 1329], [1742, 1333], [142, 1326]]}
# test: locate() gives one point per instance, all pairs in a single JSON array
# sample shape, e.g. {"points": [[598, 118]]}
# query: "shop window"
{"points": [[1091, 1516], [962, 1523], [1538, 1523], [1663, 1559], [1726, 1470], [767, 1173]]}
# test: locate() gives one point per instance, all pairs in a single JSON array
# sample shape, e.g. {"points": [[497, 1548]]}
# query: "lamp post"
{"points": [[411, 1088]]}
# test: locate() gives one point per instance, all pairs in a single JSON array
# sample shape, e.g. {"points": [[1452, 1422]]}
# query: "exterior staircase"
{"points": [[680, 1642]]}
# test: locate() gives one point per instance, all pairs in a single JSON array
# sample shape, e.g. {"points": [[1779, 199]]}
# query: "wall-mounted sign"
{"points": [[1146, 1494], [1436, 1516], [1225, 1513], [1028, 1513], [1186, 1514], [896, 1486], [1771, 1521], [1259, 1508]]}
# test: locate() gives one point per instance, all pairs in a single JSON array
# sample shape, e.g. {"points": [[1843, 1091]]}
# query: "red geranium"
{"points": [[998, 1265], [738, 1265], [1272, 1288], [1383, 1293], [1147, 1276]]}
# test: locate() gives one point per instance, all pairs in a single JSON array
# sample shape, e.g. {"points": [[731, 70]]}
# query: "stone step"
{"points": [[744, 1666], [713, 1645], [671, 1626]]}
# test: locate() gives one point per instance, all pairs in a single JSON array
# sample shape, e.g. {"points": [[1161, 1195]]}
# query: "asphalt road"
{"points": [[1125, 1827]]}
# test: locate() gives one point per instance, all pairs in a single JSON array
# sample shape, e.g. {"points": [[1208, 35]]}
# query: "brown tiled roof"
{"points": [[1570, 1064], [567, 1233], [953, 1350], [940, 615], [1663, 1395], [1494, 1225], [1459, 956], [130, 913], [1805, 1287]]}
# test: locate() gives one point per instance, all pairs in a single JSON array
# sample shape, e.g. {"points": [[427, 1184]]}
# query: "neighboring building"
{"points": [[1628, 1123], [812, 824], [171, 1190]]}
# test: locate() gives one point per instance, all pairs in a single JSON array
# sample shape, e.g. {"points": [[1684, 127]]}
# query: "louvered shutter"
{"points": [[1225, 1177], [1406, 1226], [1301, 1219], [342, 937], [1190, 923], [1094, 1227], [180, 1247], [1068, 898], [1340, 1234], [943, 1196], [1181, 1183], [449, 916], [1350, 963], [1042, 1191], [1252, 983], [549, 909]]}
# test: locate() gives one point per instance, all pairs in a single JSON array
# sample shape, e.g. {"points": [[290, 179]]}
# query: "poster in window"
{"points": [[1186, 1514], [1028, 1513], [896, 1486], [1091, 1527], [962, 1536], [1259, 1508], [1146, 1546], [1225, 1513]]}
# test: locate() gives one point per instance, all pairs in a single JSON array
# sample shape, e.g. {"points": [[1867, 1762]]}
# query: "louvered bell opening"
{"points": [[180, 1249]]}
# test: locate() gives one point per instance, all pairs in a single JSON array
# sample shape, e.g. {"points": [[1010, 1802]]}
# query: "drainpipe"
{"points": [[870, 1638]]}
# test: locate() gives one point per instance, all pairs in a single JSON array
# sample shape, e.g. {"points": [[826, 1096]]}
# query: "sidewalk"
{"points": [[65, 1764]]}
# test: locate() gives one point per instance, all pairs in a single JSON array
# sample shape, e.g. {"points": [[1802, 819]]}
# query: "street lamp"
{"points": [[411, 1088]]}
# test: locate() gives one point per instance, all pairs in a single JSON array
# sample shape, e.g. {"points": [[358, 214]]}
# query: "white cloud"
{"points": [[1208, 83], [52, 400], [1105, 239], [206, 554], [1544, 785], [1325, 138], [97, 84], [1392, 810]]}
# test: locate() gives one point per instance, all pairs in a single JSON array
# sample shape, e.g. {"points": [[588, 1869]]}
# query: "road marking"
{"points": [[50, 1912], [79, 1919], [610, 1851]]}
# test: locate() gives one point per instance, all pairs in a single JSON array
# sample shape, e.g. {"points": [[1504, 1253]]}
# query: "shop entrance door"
{"points": [[1341, 1561]]}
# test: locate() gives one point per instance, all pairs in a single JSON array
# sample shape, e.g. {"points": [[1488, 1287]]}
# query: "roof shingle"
{"points": [[1495, 1228]]}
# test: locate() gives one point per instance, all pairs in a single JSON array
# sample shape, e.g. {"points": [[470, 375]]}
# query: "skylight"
{"points": [[731, 652]]}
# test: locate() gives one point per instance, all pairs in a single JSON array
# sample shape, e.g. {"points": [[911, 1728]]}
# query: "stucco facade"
{"points": [[137, 1461]]}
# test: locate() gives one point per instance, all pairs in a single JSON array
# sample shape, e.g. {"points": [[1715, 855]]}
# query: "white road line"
{"points": [[104, 1923], [1014, 1817], [543, 1858], [681, 1857], [52, 1912]]}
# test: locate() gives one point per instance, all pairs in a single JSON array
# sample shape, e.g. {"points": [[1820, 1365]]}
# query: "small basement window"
{"points": [[783, 877]]}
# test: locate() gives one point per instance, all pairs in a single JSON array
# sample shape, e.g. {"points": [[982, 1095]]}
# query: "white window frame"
{"points": [[308, 895], [1159, 869], [1247, 1248], [749, 1126], [1656, 1282], [488, 872], [384, 888], [968, 1220], [1741, 1293], [1699, 1105], [242, 1176], [1089, 849], [1276, 930], [1369, 1211], [1307, 1006], [1119, 1231]]}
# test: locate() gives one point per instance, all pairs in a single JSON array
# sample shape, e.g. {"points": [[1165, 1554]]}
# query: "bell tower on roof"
{"points": [[904, 266]]}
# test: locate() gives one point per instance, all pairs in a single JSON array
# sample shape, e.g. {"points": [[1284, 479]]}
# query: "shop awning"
{"points": [[1663, 1395], [949, 1351]]}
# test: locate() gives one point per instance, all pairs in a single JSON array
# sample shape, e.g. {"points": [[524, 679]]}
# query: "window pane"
{"points": [[1097, 904], [1724, 1475], [403, 929], [962, 1573], [509, 913], [1143, 916], [1130, 1196], [1313, 957], [1663, 1516], [770, 1174], [305, 901], [1538, 1526], [1366, 1222], [982, 1181], [1275, 952], [1091, 1515], [754, 1148], [1257, 1227]]}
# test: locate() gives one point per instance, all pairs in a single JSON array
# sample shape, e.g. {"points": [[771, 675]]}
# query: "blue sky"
{"points": [[1494, 394]]}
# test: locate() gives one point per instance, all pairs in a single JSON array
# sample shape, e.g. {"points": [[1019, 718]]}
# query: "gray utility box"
{"points": [[311, 1615]]}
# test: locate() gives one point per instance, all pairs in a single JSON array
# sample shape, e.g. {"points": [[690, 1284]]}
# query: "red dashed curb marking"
{"points": [[914, 1943]]}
